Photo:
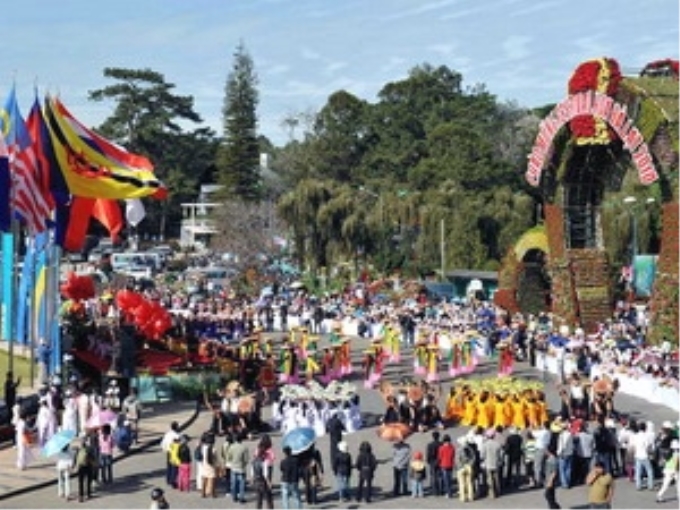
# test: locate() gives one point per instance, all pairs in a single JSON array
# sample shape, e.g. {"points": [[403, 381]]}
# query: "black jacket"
{"points": [[343, 464], [290, 470]]}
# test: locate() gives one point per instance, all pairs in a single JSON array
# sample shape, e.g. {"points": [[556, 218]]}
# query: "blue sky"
{"points": [[304, 50]]}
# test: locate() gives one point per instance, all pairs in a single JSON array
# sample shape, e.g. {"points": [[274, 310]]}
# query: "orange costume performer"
{"points": [[497, 402]]}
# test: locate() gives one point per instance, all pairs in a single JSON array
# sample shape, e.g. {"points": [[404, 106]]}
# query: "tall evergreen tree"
{"points": [[238, 159]]}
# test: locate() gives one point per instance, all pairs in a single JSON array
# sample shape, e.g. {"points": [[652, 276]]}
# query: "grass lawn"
{"points": [[22, 368]]}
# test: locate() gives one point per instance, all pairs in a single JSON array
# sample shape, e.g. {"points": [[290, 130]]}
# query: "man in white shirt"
{"points": [[565, 455], [641, 447], [542, 437]]}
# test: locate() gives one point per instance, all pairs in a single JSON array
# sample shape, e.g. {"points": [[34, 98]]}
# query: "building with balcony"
{"points": [[197, 225]]}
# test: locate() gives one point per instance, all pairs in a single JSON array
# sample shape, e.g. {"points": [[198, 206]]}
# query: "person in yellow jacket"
{"points": [[174, 460], [392, 343], [311, 365]]}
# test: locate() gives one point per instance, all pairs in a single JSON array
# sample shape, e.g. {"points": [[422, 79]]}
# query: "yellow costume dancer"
{"points": [[311, 365], [392, 344], [303, 343], [454, 405], [519, 411], [499, 411], [289, 365], [432, 358], [420, 358]]}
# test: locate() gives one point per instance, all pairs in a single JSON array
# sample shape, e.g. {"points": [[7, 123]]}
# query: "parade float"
{"points": [[605, 162]]}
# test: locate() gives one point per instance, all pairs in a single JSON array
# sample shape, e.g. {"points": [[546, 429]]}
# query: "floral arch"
{"points": [[580, 161]]}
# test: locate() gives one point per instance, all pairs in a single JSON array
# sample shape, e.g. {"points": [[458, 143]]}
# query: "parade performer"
{"points": [[345, 357], [368, 364], [289, 361], [519, 407], [327, 365], [420, 358], [266, 348], [334, 336], [474, 337], [432, 357], [336, 371], [303, 343], [502, 412], [466, 363], [312, 343], [454, 357], [392, 343], [380, 357], [505, 360], [311, 365], [267, 376]]}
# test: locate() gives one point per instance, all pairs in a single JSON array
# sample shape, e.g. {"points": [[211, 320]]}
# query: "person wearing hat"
{"points": [[671, 467], [663, 444], [432, 362], [417, 473]]}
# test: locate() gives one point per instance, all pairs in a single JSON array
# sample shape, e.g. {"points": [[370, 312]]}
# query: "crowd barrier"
{"points": [[642, 386]]}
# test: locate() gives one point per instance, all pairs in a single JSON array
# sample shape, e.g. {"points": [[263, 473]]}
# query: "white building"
{"points": [[197, 227]]}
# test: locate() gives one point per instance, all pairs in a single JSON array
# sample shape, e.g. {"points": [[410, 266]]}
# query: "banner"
{"points": [[644, 273], [7, 286]]}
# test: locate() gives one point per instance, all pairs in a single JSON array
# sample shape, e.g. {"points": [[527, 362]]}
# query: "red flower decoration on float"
{"points": [[601, 75]]}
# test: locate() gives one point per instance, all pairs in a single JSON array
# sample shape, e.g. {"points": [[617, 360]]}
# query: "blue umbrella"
{"points": [[299, 439], [57, 442]]}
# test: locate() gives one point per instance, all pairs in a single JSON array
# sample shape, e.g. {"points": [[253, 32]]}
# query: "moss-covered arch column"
{"points": [[665, 296]]}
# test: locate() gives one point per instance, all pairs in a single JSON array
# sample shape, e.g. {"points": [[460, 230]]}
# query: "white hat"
{"points": [[342, 446], [667, 425]]}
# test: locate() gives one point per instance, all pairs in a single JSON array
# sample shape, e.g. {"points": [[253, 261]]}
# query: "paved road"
{"points": [[137, 474]]}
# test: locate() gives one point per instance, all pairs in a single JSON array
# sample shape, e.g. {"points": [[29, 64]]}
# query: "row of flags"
{"points": [[55, 176], [57, 173]]}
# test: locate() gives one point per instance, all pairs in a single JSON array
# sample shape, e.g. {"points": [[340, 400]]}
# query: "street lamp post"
{"points": [[631, 201]]}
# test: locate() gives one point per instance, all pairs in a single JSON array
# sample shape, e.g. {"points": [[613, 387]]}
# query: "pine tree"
{"points": [[238, 160]]}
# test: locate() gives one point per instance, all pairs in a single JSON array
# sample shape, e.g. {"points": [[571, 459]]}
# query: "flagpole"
{"points": [[12, 305], [30, 304]]}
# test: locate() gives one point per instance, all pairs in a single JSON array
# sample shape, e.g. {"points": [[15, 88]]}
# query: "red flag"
{"points": [[108, 213]]}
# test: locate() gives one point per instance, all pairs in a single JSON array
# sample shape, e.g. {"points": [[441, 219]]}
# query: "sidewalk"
{"points": [[41, 471]]}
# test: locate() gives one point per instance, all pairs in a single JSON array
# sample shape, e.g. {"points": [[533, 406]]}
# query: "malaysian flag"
{"points": [[27, 197]]}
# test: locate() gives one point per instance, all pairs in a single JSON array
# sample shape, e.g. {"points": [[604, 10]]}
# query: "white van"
{"points": [[125, 260]]}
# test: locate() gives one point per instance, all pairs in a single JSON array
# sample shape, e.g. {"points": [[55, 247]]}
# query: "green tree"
{"points": [[238, 159]]}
